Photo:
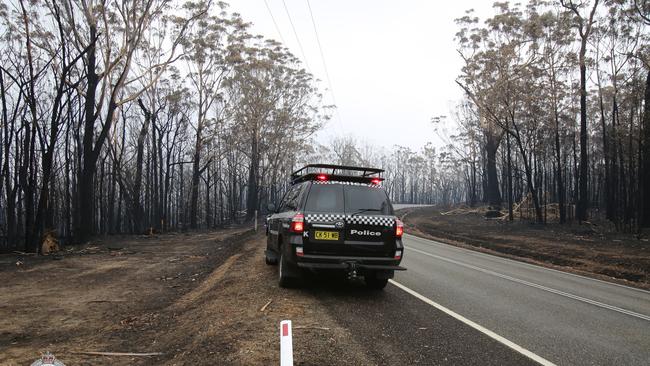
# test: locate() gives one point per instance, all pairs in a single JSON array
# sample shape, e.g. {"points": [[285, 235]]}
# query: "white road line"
{"points": [[426, 241], [531, 284], [487, 332]]}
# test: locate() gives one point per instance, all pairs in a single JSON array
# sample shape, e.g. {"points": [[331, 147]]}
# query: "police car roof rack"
{"points": [[336, 173]]}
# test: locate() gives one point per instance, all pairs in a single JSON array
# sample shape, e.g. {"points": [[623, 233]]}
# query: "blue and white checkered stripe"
{"points": [[371, 220], [324, 217], [350, 219]]}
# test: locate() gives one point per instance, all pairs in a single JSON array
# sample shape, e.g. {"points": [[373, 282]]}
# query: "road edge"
{"points": [[506, 342]]}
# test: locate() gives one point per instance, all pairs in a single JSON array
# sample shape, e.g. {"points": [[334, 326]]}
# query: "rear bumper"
{"points": [[342, 262]]}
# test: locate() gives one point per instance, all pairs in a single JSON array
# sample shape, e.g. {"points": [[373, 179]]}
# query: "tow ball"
{"points": [[352, 270]]}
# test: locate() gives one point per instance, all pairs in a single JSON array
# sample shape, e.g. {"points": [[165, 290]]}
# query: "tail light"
{"points": [[297, 224], [375, 181], [399, 228], [322, 177], [300, 252], [398, 254]]}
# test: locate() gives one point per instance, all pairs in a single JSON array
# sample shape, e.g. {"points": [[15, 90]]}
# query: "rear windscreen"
{"points": [[371, 200], [349, 199], [325, 198]]}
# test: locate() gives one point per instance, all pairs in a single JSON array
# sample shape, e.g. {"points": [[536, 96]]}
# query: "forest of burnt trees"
{"points": [[142, 115], [555, 126], [557, 113], [136, 116]]}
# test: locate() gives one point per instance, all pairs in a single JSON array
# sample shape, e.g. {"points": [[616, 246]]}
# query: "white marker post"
{"points": [[286, 343]]}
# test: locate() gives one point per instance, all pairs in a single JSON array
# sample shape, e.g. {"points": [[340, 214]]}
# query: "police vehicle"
{"points": [[338, 218]]}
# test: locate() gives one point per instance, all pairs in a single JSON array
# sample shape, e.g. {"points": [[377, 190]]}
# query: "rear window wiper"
{"points": [[366, 210]]}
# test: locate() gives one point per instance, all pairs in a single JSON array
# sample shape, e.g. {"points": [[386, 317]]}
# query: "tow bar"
{"points": [[351, 270]]}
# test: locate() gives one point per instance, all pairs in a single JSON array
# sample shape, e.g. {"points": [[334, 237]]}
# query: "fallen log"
{"points": [[129, 354]]}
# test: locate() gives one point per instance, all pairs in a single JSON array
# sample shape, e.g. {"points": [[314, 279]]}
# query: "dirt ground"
{"points": [[195, 298], [583, 249]]}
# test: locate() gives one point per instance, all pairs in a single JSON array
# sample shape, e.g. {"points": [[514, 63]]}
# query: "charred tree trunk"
{"points": [[196, 176], [138, 211], [645, 158], [10, 211], [539, 218], [558, 162], [85, 194], [251, 198], [493, 193], [583, 194], [509, 172]]}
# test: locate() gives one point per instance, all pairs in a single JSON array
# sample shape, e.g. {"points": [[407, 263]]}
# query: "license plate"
{"points": [[327, 235]]}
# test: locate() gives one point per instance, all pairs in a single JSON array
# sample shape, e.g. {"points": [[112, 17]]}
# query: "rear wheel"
{"points": [[283, 276], [375, 283]]}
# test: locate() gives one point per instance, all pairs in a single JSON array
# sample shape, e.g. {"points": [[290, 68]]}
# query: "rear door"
{"points": [[281, 220], [324, 220], [370, 223]]}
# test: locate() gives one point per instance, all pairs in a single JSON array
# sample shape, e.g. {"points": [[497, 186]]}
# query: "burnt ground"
{"points": [[209, 299], [195, 298], [587, 249]]}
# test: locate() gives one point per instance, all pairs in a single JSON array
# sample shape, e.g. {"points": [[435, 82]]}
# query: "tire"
{"points": [[375, 283], [283, 280]]}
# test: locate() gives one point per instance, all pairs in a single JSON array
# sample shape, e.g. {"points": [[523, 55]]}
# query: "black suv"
{"points": [[335, 218]]}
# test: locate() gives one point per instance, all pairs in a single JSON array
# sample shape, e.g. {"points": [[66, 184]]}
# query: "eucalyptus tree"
{"points": [[113, 33], [550, 32], [478, 80], [639, 11], [584, 23], [496, 77], [273, 107], [210, 55], [43, 69]]}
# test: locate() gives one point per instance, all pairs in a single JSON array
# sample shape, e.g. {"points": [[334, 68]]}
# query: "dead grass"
{"points": [[195, 299], [587, 249]]}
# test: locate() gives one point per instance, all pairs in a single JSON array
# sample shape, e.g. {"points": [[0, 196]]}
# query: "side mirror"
{"points": [[270, 208]]}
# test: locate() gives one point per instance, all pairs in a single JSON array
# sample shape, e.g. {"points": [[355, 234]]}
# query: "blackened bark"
{"points": [[208, 211], [645, 158], [85, 193], [136, 205], [196, 175], [252, 198], [529, 174], [493, 193], [27, 173], [472, 199], [92, 151], [583, 194], [609, 196], [9, 188], [509, 172], [558, 162]]}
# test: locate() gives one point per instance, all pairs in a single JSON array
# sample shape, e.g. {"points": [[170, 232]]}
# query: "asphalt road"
{"points": [[459, 307], [562, 318], [395, 328]]}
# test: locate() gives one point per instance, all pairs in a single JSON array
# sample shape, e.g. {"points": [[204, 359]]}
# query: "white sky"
{"points": [[392, 64]]}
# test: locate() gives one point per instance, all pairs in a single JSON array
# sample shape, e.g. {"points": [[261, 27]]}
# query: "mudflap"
{"points": [[383, 274], [290, 267], [271, 257]]}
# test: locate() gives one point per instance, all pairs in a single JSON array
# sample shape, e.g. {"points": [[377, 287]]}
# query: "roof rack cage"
{"points": [[352, 173]]}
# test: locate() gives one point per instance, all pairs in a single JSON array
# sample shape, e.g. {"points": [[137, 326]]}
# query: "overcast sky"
{"points": [[392, 64]]}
